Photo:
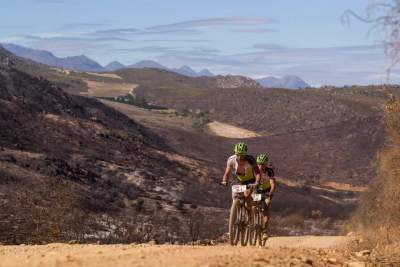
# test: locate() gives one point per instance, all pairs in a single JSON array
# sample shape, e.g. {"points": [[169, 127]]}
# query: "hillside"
{"points": [[73, 169], [324, 127], [283, 111], [312, 133]]}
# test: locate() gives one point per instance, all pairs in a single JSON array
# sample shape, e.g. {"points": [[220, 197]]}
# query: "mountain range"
{"points": [[288, 82], [74, 63], [184, 70], [83, 63]]}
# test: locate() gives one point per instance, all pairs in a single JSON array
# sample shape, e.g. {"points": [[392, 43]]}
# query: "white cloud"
{"points": [[11, 39], [212, 22]]}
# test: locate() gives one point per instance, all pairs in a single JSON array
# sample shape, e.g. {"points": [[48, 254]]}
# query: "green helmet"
{"points": [[240, 148], [261, 159]]}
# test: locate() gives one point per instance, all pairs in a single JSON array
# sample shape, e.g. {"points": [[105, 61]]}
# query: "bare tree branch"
{"points": [[384, 15]]}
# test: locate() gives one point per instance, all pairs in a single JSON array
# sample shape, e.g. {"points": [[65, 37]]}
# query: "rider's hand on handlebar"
{"points": [[224, 183]]}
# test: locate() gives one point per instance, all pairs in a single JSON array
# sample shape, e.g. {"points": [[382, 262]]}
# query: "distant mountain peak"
{"points": [[114, 65], [287, 82], [78, 63], [147, 64], [186, 67], [186, 70], [80, 57], [205, 72]]}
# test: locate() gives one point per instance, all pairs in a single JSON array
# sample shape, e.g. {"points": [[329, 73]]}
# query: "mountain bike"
{"points": [[261, 204], [240, 217]]}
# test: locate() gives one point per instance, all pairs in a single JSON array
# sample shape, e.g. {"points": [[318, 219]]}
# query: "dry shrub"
{"points": [[294, 220], [39, 215], [378, 216]]}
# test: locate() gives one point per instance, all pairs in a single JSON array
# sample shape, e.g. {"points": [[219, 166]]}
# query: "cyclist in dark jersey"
{"points": [[267, 187]]}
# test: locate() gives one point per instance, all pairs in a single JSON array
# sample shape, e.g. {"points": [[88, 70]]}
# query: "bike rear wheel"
{"points": [[255, 229], [263, 235]]}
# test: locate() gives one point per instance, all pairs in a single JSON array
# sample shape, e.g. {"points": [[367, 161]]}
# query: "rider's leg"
{"points": [[250, 207], [233, 196], [234, 205], [266, 215], [249, 199]]}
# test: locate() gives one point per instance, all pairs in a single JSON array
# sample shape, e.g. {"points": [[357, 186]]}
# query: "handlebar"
{"points": [[226, 184]]}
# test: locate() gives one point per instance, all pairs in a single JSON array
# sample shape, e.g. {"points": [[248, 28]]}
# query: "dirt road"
{"points": [[281, 251]]}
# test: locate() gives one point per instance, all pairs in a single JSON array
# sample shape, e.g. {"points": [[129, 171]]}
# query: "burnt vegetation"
{"points": [[73, 169]]}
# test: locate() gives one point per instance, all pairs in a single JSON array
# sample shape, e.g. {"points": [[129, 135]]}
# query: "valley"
{"points": [[155, 143]]}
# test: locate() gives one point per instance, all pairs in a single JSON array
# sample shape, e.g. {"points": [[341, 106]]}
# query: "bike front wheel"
{"points": [[255, 231], [245, 224], [234, 223]]}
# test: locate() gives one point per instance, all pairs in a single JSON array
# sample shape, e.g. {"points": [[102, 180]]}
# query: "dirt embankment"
{"points": [[281, 251]]}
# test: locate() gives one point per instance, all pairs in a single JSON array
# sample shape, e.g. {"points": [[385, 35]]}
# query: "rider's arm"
{"points": [[258, 177], [272, 180], [257, 172], [227, 174], [273, 185]]}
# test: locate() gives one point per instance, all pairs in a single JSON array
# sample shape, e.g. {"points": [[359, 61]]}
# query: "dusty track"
{"points": [[281, 251]]}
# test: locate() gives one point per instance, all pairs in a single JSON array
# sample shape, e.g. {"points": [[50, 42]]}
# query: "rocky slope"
{"points": [[234, 81], [72, 168]]}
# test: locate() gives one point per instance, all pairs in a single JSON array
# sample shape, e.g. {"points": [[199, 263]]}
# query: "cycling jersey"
{"points": [[250, 167], [265, 184]]}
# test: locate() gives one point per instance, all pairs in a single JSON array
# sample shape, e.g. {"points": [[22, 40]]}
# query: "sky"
{"points": [[256, 38]]}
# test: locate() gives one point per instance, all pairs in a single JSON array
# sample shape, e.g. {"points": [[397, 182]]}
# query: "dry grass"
{"points": [[229, 131], [152, 117], [106, 75], [101, 89], [379, 214], [345, 186]]}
